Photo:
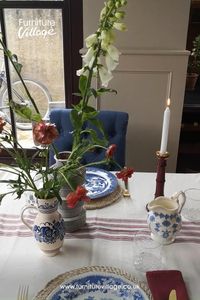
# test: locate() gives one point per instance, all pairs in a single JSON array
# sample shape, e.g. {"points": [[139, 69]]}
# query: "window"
{"points": [[47, 37]]}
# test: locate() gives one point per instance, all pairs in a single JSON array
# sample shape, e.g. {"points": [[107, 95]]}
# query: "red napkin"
{"points": [[162, 282]]}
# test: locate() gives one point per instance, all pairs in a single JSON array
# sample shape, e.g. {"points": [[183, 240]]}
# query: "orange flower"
{"points": [[45, 133], [79, 195], [111, 150], [125, 173], [72, 199], [2, 124]]}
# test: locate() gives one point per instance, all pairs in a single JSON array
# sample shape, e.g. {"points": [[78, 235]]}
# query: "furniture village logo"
{"points": [[36, 28]]}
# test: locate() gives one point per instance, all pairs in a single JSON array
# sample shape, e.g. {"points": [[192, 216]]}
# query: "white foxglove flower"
{"points": [[104, 45], [119, 26], [113, 52], [82, 71], [91, 62], [105, 35], [88, 56], [123, 2], [95, 71], [91, 40], [107, 38], [110, 63], [105, 76]]}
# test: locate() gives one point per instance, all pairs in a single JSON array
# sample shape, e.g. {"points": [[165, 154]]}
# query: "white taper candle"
{"points": [[165, 128]]}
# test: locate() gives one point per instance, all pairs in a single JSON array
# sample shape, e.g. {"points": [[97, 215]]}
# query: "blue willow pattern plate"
{"points": [[99, 182], [98, 286]]}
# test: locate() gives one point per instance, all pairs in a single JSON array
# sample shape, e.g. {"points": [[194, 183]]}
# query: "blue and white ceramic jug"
{"points": [[164, 217], [48, 227]]}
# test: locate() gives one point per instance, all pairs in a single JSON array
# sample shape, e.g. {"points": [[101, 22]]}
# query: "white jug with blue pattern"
{"points": [[48, 227], [164, 218]]}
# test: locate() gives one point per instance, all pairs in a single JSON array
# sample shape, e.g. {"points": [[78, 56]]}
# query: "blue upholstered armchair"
{"points": [[115, 125]]}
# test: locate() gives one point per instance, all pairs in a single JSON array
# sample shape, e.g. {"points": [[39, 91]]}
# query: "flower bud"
{"points": [[110, 3], [120, 14], [123, 2], [103, 13], [118, 4], [111, 150], [119, 26]]}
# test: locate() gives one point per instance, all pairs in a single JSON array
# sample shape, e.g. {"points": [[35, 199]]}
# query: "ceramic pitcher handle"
{"points": [[181, 200], [22, 215]]}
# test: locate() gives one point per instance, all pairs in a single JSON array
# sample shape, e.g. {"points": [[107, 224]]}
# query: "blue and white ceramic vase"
{"points": [[74, 218], [48, 227]]}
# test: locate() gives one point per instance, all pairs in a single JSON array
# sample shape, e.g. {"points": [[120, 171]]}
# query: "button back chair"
{"points": [[115, 126]]}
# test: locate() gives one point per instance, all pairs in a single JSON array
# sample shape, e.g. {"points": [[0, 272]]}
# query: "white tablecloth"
{"points": [[107, 239]]}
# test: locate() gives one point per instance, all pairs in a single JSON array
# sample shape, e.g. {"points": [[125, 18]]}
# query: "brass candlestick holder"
{"points": [[160, 178]]}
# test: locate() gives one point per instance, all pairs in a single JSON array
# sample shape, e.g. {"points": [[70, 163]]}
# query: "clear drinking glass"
{"points": [[147, 253], [191, 209]]}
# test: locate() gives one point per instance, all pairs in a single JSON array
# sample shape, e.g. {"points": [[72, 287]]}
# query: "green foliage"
{"points": [[88, 132], [194, 58], [82, 85], [25, 112], [27, 175], [102, 90], [17, 65], [99, 45]]}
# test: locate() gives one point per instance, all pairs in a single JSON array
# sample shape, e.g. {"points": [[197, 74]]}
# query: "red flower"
{"points": [[125, 173], [81, 191], [111, 150], [72, 199], [2, 124], [79, 195], [44, 133]]}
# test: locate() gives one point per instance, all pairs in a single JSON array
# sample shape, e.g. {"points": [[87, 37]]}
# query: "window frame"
{"points": [[72, 21]]}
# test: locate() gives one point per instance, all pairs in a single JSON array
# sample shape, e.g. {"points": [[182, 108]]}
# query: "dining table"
{"points": [[107, 239]]}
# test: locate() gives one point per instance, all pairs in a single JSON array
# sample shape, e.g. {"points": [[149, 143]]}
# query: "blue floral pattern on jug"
{"points": [[49, 232], [164, 217], [164, 226], [47, 207]]}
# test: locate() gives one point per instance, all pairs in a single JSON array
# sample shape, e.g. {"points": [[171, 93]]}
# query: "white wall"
{"points": [[152, 68]]}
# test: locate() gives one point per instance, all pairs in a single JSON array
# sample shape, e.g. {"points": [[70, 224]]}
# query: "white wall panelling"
{"points": [[152, 66], [144, 83]]}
